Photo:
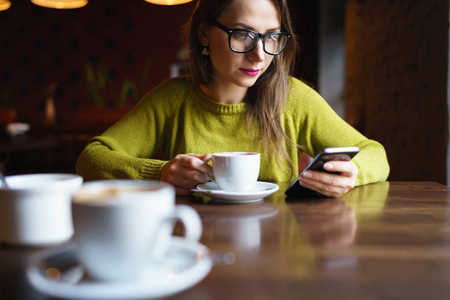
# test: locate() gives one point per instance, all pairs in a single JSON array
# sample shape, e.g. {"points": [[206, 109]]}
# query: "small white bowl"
{"points": [[36, 210]]}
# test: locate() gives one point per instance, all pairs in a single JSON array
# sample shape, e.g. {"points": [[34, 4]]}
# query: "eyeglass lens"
{"points": [[244, 41]]}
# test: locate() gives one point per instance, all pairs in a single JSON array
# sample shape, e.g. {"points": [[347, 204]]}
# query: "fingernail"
{"points": [[307, 175], [328, 166]]}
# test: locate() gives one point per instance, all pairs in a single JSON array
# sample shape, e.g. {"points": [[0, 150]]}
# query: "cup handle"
{"points": [[191, 221], [192, 226], [205, 160]]}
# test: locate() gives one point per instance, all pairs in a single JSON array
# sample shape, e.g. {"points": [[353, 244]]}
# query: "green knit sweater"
{"points": [[177, 117]]}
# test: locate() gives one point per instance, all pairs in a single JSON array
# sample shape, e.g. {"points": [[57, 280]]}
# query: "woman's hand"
{"points": [[185, 172], [331, 185]]}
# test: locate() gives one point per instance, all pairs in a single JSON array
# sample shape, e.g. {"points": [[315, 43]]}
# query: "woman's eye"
{"points": [[273, 37], [240, 35]]}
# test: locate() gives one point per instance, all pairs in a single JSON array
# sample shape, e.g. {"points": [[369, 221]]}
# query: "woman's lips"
{"points": [[250, 72]]}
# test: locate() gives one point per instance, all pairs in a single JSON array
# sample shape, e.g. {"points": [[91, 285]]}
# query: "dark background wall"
{"points": [[396, 85], [40, 46]]}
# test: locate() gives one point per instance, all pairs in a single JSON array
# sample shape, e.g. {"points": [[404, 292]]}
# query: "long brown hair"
{"points": [[266, 99]]}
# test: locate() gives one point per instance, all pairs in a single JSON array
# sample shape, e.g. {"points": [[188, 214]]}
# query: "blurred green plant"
{"points": [[103, 88], [6, 100]]}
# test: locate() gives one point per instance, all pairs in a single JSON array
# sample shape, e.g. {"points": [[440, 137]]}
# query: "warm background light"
{"points": [[61, 4], [168, 2], [4, 4]]}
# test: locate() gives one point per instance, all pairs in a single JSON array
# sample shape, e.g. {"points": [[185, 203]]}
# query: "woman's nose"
{"points": [[257, 54]]}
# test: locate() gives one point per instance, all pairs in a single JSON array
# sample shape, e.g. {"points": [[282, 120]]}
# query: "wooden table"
{"points": [[388, 240]]}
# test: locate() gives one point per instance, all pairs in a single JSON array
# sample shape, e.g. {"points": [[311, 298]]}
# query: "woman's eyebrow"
{"points": [[278, 28]]}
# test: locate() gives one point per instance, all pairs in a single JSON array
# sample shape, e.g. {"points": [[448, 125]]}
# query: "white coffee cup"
{"points": [[235, 171], [123, 227], [35, 210]]}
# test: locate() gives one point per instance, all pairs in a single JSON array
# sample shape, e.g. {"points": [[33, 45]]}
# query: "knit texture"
{"points": [[177, 118]]}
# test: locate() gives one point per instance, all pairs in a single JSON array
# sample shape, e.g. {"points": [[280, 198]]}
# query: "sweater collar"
{"points": [[217, 107]]}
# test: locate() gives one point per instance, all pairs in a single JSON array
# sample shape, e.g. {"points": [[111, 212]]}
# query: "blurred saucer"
{"points": [[257, 193], [57, 273]]}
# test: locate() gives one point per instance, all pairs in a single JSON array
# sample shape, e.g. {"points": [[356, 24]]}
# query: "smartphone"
{"points": [[327, 154]]}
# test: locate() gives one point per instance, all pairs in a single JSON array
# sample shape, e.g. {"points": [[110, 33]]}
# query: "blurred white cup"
{"points": [[123, 227], [36, 210]]}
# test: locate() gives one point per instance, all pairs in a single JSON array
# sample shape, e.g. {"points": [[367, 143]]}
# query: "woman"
{"points": [[239, 98]]}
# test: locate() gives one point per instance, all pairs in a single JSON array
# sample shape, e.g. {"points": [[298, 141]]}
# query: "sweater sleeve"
{"points": [[127, 149], [320, 127], [98, 161]]}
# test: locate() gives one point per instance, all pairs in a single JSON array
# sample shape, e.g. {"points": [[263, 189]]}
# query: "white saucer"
{"points": [[260, 190], [186, 264]]}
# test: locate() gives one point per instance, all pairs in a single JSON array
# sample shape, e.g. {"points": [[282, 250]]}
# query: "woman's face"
{"points": [[241, 69]]}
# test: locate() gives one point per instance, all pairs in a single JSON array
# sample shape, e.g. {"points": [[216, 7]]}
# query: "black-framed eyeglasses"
{"points": [[245, 40]]}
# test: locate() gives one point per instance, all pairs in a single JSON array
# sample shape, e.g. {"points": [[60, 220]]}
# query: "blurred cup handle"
{"points": [[192, 225]]}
